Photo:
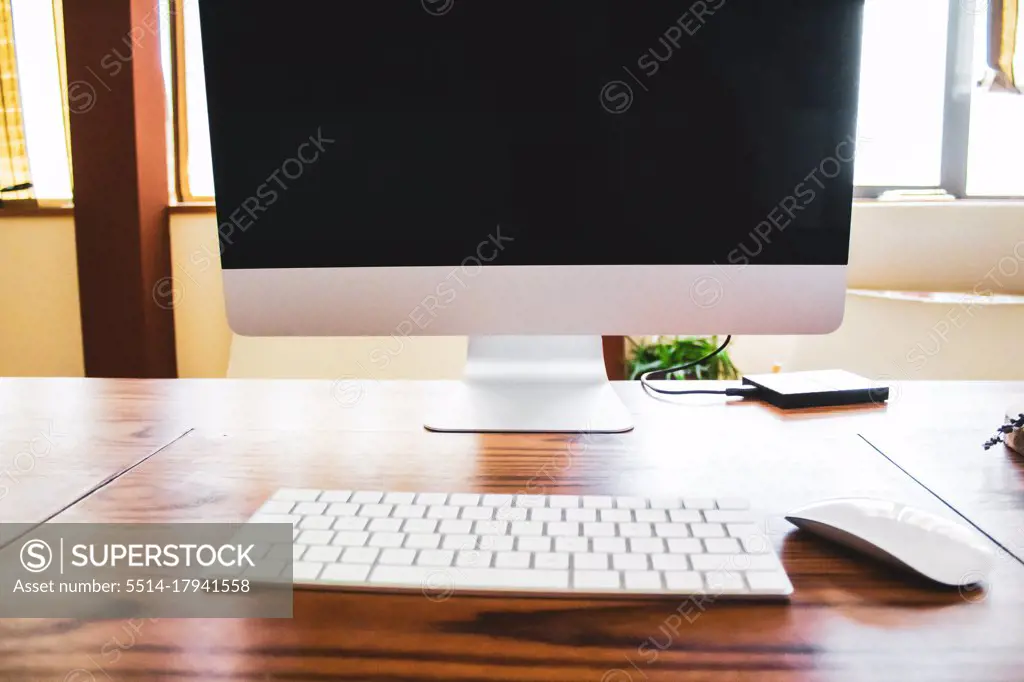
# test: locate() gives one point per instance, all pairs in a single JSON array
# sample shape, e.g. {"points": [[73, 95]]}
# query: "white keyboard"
{"points": [[556, 545]]}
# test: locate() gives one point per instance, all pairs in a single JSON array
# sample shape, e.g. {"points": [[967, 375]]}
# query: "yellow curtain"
{"points": [[14, 168], [1006, 44]]}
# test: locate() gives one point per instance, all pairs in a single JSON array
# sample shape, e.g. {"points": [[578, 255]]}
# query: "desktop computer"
{"points": [[533, 176]]}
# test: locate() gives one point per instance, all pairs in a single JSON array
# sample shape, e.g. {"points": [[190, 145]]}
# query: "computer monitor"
{"points": [[533, 175]]}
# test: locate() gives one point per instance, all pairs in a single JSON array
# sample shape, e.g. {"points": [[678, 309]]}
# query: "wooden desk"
{"points": [[849, 618]]}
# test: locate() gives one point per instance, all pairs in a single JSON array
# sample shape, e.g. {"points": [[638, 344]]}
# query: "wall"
{"points": [[944, 246], [40, 326]]}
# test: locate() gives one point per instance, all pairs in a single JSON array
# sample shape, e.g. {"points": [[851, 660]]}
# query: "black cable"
{"points": [[738, 391]]}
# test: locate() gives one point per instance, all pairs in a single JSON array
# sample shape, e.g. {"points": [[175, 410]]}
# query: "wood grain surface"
{"points": [[849, 618], [61, 439]]}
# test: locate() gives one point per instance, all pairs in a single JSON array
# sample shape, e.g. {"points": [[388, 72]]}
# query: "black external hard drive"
{"points": [[826, 388]]}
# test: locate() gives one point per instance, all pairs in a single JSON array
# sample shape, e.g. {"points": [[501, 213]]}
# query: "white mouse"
{"points": [[937, 548]]}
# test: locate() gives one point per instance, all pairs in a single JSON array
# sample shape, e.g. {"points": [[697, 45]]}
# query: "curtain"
{"points": [[1006, 44], [14, 167]]}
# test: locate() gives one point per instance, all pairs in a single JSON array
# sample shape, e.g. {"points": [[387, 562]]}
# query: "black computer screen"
{"points": [[586, 132]]}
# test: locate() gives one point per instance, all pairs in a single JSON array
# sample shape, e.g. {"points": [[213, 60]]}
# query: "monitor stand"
{"points": [[532, 384]]}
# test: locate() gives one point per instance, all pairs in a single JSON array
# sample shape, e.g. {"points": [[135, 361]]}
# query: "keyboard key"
{"points": [[670, 562], [422, 541], [666, 503], [609, 545], [642, 580], [646, 545], [650, 515], [496, 543], [310, 508], [551, 560], [477, 513], [733, 503], [473, 559], [707, 530], [345, 573], [399, 498], [359, 555], [527, 528], [698, 503], [685, 516], [581, 515], [347, 522], [548, 514], [296, 495], [343, 509], [385, 525], [616, 515], [577, 544], [685, 546], [490, 527], [631, 503], [397, 557], [590, 562], [723, 581], [722, 545], [672, 530], [630, 562], [430, 499], [533, 544], [410, 511], [366, 497], [512, 560], [460, 542], [597, 502], [335, 496], [599, 530], [511, 514], [595, 580], [497, 501], [635, 530], [386, 540], [563, 528], [564, 501], [443, 512], [530, 501], [376, 511], [464, 500], [457, 526], [435, 557], [684, 581], [473, 578], [772, 582], [419, 526]]}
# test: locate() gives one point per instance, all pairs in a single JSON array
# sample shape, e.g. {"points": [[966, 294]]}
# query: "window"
{"points": [[924, 121], [42, 99]]}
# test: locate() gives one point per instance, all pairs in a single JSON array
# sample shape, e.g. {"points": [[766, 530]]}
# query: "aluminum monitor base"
{"points": [[532, 384]]}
